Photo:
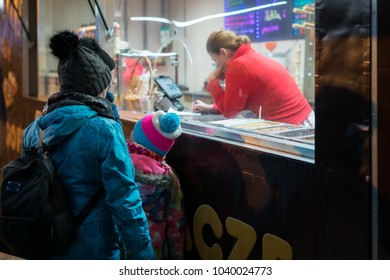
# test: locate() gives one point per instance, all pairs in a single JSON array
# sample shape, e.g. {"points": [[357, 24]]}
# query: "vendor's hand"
{"points": [[218, 73], [201, 107]]}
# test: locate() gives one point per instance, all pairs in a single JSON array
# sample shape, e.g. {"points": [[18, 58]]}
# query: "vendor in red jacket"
{"points": [[252, 82]]}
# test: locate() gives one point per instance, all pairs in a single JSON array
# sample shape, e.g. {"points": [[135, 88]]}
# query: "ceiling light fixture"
{"points": [[194, 21]]}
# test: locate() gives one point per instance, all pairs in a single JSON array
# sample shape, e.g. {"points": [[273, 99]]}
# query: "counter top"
{"points": [[292, 141]]}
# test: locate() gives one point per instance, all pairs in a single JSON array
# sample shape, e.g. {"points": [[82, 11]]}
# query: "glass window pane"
{"points": [[168, 38]]}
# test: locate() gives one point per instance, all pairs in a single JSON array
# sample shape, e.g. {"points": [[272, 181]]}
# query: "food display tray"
{"points": [[268, 136]]}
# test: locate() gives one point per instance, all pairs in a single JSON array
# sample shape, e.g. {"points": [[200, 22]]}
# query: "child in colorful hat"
{"points": [[150, 141]]}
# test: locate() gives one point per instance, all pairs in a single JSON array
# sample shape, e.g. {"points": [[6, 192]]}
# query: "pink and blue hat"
{"points": [[157, 131]]}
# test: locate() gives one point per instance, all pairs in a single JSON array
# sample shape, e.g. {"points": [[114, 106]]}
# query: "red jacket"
{"points": [[253, 80]]}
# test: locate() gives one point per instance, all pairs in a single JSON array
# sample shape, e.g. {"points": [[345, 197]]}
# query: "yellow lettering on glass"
{"points": [[246, 238], [275, 248], [205, 215], [13, 138]]}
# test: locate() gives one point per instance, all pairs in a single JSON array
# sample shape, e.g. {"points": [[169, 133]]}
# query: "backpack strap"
{"points": [[88, 206]]}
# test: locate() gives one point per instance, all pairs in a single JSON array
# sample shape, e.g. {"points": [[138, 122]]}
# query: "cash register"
{"points": [[171, 93]]}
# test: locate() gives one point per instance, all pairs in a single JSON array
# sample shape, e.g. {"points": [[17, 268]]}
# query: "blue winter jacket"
{"points": [[91, 151]]}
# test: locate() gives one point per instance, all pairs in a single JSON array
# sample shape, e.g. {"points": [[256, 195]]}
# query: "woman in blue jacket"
{"points": [[91, 151]]}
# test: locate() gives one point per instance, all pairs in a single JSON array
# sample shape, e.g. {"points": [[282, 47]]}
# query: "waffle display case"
{"points": [[291, 141]]}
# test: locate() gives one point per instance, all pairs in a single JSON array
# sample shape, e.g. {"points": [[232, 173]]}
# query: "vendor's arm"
{"points": [[201, 107], [233, 99]]}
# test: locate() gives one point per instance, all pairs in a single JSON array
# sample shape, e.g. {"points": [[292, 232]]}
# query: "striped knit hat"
{"points": [[157, 131]]}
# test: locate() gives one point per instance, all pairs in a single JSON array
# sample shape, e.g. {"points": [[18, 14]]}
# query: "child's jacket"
{"points": [[162, 202]]}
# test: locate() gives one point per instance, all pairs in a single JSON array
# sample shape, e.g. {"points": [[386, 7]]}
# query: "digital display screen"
{"points": [[167, 85], [267, 24]]}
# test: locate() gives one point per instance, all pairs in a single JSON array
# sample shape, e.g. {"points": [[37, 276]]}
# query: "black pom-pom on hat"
{"points": [[80, 69], [63, 43]]}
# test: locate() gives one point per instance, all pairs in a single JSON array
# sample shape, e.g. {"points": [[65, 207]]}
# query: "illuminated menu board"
{"points": [[268, 24]]}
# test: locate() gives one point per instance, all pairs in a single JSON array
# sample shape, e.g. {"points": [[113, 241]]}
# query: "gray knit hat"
{"points": [[79, 68], [95, 47]]}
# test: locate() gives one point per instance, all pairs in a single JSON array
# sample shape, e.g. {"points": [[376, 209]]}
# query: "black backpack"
{"points": [[35, 221]]}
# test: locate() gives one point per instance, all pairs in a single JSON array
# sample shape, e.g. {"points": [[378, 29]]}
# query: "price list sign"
{"points": [[267, 24]]}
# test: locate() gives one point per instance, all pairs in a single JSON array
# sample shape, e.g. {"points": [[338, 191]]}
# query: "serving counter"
{"points": [[286, 140], [253, 190], [291, 141]]}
